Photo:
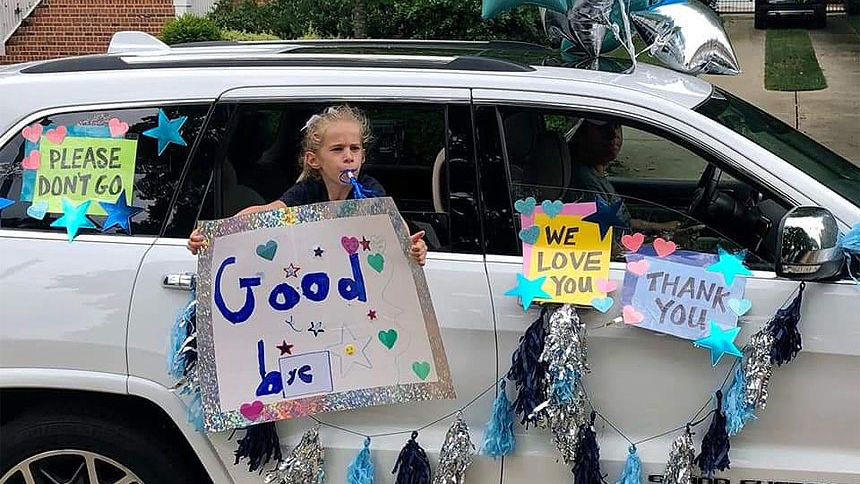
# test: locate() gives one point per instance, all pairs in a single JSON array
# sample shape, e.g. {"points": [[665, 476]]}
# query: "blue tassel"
{"points": [[360, 471], [412, 466], [527, 371], [499, 439], [735, 407], [194, 411], [715, 444], [850, 245], [632, 473], [586, 467], [179, 358], [783, 328], [563, 388]]}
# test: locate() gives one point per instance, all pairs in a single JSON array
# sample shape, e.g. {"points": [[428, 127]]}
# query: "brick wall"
{"points": [[59, 28]]}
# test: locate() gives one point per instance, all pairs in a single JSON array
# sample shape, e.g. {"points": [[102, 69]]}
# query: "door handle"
{"points": [[180, 281]]}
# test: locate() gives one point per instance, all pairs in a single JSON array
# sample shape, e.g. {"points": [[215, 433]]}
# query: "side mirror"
{"points": [[808, 245]]}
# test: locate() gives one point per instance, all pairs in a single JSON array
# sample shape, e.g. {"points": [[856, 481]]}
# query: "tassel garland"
{"points": [[499, 439], [527, 371], [783, 328], [586, 467], [679, 469], [412, 466], [360, 471], [715, 444], [632, 473], [456, 454], [259, 445], [304, 465], [737, 411]]}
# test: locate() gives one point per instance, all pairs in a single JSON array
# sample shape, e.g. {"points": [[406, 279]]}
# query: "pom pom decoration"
{"points": [[259, 445], [499, 439], [586, 467], [412, 466], [715, 445], [456, 454], [304, 465], [182, 358], [527, 371], [783, 328], [360, 470], [679, 469], [632, 473], [737, 411]]}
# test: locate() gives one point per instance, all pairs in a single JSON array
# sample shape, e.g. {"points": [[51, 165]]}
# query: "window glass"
{"points": [[97, 157]]}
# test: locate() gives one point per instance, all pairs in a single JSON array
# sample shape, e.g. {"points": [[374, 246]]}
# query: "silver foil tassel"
{"points": [[456, 454], [304, 465], [679, 469], [758, 368], [564, 421]]}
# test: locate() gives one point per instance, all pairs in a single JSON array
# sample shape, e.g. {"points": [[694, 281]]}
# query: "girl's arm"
{"points": [[262, 208]]}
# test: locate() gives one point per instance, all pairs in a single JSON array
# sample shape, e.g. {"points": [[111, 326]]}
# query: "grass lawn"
{"points": [[790, 63]]}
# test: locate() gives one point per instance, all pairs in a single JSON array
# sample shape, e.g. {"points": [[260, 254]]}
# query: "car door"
{"points": [[647, 383], [423, 156]]}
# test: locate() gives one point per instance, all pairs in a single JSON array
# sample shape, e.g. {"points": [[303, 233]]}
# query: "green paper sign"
{"points": [[81, 169]]}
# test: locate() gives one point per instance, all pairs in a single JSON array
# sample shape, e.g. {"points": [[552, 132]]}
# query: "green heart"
{"points": [[421, 368], [376, 261], [388, 337]]}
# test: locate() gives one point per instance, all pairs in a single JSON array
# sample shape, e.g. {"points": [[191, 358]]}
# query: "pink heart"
{"points": [[117, 127], [633, 242], [32, 161], [350, 244], [638, 267], [32, 133], [606, 285], [631, 315], [251, 411], [56, 135], [663, 247]]}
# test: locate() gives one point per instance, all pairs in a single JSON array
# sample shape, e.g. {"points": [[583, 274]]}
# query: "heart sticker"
{"points": [[663, 247], [267, 251], [638, 267], [552, 208], [350, 244], [388, 338], [525, 207], [421, 368], [632, 242], [740, 306], [32, 161], [530, 235], [631, 315], [605, 285], [602, 304], [251, 411], [56, 135], [117, 127], [376, 261], [32, 133], [38, 210]]}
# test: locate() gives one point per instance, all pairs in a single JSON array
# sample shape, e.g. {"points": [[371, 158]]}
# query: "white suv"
{"points": [[463, 129]]}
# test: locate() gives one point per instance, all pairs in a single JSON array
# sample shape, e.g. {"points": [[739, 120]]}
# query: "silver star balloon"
{"points": [[304, 465], [456, 454], [587, 25], [679, 469], [758, 368]]}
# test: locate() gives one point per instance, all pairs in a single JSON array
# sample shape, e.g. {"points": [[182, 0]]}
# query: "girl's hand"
{"points": [[195, 241], [419, 248]]}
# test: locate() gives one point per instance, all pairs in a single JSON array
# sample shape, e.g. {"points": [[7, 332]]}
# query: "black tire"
{"points": [[150, 458]]}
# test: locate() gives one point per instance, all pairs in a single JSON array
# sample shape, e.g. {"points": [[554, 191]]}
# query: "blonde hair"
{"points": [[315, 129]]}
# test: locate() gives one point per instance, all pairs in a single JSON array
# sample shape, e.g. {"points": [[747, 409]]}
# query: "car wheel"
{"points": [[40, 447]]}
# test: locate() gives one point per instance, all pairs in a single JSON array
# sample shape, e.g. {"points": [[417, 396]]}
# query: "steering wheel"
{"points": [[704, 194]]}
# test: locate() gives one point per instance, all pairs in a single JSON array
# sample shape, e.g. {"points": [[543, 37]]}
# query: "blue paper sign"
{"points": [[306, 374], [676, 295]]}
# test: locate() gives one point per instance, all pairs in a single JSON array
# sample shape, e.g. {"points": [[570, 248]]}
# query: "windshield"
{"points": [[832, 170]]}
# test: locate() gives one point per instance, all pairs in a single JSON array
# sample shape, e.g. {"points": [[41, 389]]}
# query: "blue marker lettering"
{"points": [[270, 382], [315, 286], [246, 283], [289, 293], [350, 289]]}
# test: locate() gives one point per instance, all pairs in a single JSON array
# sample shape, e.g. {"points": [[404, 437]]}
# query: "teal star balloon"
{"points": [[730, 265], [74, 218], [606, 216], [528, 290], [5, 202], [167, 131], [719, 342], [119, 213]]}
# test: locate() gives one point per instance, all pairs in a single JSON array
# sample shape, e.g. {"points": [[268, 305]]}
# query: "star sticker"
{"points": [[730, 265], [350, 351], [119, 213], [365, 244], [371, 314], [528, 290], [292, 271], [606, 216], [5, 202], [74, 218], [316, 328], [318, 252], [167, 131], [719, 342], [286, 349]]}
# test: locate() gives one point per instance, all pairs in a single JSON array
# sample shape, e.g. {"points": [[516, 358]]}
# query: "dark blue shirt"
{"points": [[313, 190]]}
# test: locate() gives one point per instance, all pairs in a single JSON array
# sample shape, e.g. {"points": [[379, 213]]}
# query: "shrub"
{"points": [[189, 28], [246, 36]]}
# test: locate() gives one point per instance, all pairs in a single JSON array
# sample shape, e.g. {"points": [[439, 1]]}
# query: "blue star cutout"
{"points": [[167, 131], [719, 342], [5, 202], [730, 265], [528, 290], [606, 216], [119, 213], [74, 218]]}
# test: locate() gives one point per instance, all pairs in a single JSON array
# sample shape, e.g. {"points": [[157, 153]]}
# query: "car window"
{"points": [[668, 190], [98, 156]]}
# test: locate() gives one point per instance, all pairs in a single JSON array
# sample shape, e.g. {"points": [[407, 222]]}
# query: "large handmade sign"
{"points": [[313, 309]]}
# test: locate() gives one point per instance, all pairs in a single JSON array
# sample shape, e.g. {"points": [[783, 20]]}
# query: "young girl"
{"points": [[333, 145]]}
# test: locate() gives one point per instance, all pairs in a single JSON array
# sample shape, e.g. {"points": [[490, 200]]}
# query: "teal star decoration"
{"points": [[606, 216], [119, 214], [719, 342], [730, 265], [167, 131], [528, 290], [74, 218], [5, 202]]}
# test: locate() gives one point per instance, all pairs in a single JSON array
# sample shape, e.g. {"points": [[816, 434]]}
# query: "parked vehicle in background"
{"points": [[814, 10]]}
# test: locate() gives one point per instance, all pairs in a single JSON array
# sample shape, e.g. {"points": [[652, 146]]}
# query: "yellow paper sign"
{"points": [[567, 251], [80, 169]]}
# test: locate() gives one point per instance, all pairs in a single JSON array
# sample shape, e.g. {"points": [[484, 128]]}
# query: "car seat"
{"points": [[536, 156]]}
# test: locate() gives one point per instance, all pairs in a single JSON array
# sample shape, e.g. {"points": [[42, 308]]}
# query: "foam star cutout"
{"points": [[371, 314], [606, 216], [5, 202], [318, 252], [316, 328], [350, 351], [119, 213], [528, 290], [730, 265], [167, 131], [292, 271], [74, 218], [365, 244], [286, 349], [720, 342]]}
